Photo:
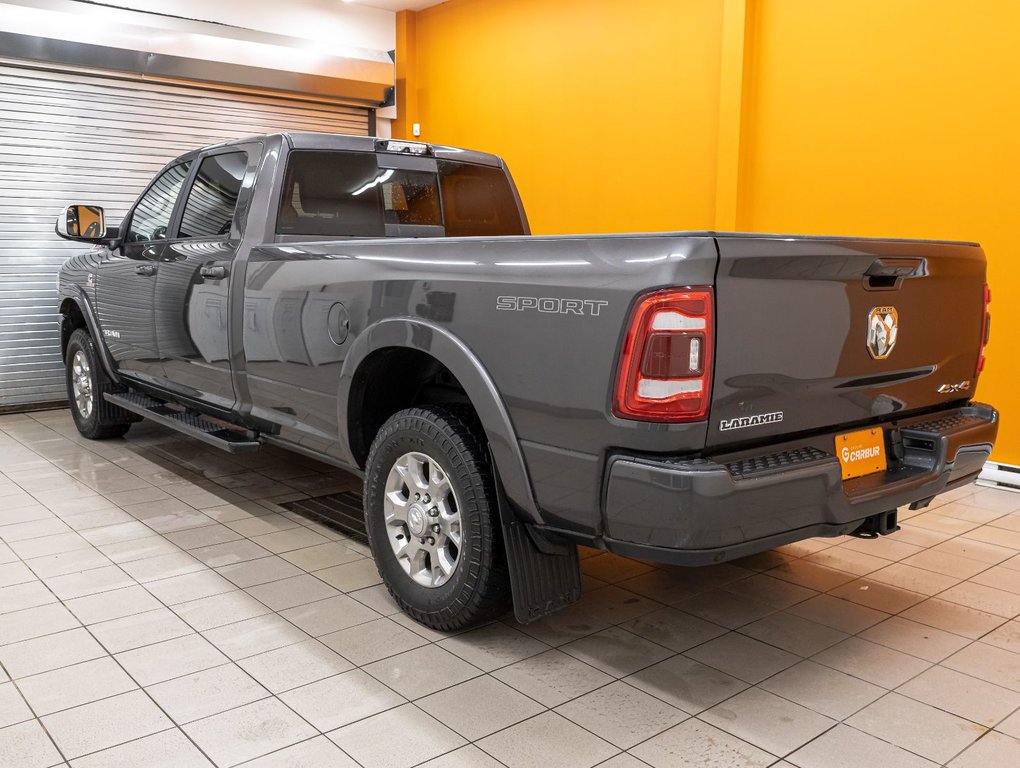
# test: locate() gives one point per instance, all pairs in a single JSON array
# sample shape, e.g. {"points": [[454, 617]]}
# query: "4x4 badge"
{"points": [[882, 327]]}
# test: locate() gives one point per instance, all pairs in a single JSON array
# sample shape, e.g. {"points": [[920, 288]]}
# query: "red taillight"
{"points": [[986, 329], [665, 369]]}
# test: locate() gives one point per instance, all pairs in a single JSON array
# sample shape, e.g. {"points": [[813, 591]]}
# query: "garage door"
{"points": [[71, 137]]}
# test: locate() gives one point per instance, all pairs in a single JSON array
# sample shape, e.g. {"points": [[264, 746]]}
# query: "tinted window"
{"points": [[477, 200], [331, 193], [151, 216], [213, 197]]}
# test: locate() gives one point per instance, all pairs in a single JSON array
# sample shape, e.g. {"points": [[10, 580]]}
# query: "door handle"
{"points": [[145, 269], [214, 273]]}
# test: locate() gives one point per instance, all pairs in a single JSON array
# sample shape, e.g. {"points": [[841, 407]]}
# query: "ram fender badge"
{"points": [[742, 422], [883, 323]]}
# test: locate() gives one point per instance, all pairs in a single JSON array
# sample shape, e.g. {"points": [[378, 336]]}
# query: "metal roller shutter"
{"points": [[78, 137]]}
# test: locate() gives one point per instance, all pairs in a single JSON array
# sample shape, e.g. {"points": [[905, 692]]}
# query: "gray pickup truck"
{"points": [[687, 397]]}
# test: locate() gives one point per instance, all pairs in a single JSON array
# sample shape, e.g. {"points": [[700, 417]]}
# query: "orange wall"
{"points": [[606, 111], [872, 117], [898, 118]]}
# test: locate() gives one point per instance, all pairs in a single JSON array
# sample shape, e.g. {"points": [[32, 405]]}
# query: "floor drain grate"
{"points": [[341, 510]]}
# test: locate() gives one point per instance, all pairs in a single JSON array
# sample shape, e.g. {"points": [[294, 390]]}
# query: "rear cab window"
{"points": [[353, 194], [212, 199]]}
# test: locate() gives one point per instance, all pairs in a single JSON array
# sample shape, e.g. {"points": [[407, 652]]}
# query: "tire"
{"points": [[95, 418], [450, 578]]}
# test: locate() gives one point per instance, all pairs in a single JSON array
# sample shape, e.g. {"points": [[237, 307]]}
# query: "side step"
{"points": [[217, 435]]}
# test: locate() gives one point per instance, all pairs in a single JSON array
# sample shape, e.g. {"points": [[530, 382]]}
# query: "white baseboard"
{"points": [[998, 475]]}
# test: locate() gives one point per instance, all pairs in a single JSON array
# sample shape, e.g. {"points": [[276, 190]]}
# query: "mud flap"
{"points": [[542, 579]]}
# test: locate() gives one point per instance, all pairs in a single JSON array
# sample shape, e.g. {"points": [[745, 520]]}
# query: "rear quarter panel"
{"points": [[554, 369]]}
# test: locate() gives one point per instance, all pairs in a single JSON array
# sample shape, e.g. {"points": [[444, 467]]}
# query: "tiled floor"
{"points": [[158, 609]]}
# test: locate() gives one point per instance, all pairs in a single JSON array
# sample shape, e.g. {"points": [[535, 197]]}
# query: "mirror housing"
{"points": [[82, 223]]}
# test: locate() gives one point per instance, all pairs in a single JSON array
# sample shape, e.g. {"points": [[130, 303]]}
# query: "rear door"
{"points": [[191, 306], [819, 333]]}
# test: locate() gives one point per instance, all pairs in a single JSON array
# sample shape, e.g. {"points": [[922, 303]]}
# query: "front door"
{"points": [[126, 279], [192, 307]]}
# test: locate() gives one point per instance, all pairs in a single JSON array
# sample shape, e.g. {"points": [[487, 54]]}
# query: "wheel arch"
{"points": [[480, 391], [76, 312]]}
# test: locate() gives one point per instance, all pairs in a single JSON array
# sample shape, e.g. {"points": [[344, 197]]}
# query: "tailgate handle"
{"points": [[888, 274]]}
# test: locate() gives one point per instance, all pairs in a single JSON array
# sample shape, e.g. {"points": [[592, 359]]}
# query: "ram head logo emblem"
{"points": [[882, 327]]}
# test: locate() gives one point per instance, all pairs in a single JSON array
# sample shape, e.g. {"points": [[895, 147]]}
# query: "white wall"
{"points": [[329, 21]]}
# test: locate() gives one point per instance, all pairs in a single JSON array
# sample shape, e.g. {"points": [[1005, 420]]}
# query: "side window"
{"points": [[151, 216], [478, 200], [331, 193], [213, 197]]}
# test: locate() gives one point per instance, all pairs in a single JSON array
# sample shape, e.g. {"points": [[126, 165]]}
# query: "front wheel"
{"points": [[432, 518], [95, 418]]}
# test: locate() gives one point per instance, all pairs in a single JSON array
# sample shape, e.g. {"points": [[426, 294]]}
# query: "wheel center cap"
{"points": [[417, 520]]}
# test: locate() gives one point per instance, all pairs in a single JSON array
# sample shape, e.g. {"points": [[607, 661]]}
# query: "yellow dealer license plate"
{"points": [[861, 453]]}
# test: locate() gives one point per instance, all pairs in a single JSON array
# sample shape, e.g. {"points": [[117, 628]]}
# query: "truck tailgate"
{"points": [[793, 350]]}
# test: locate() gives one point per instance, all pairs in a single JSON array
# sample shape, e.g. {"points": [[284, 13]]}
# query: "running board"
{"points": [[209, 432]]}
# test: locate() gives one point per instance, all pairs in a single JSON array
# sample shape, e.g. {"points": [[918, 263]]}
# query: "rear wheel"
{"points": [[86, 384], [432, 518]]}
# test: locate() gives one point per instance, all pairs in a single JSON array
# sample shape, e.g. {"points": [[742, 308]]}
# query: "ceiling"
{"points": [[397, 5]]}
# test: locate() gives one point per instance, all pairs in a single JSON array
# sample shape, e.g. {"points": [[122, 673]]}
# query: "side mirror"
{"points": [[84, 223]]}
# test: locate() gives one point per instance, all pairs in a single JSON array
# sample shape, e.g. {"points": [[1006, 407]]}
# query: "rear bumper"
{"points": [[696, 512]]}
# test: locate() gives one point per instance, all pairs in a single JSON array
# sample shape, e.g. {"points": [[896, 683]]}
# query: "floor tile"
{"points": [[161, 750], [917, 727], [205, 693], [686, 684], [621, 714], [41, 654], [479, 707], [470, 756], [993, 750], [228, 553], [155, 663], [19, 597], [916, 639], [1006, 637], [260, 571], [793, 633], [75, 685], [425, 670], [371, 741], [321, 556], [976, 700], [294, 665], [775, 724], [877, 595], [552, 677], [674, 629], [616, 651], [105, 723], [351, 576], [823, 690], [190, 586], [253, 636], [219, 610], [696, 744], [13, 708], [953, 617], [341, 699], [872, 662], [139, 629], [743, 657], [68, 562], [846, 747], [493, 646], [247, 732], [988, 663], [372, 641], [287, 593], [26, 745], [839, 614], [984, 598], [547, 739], [162, 567], [312, 753]]}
